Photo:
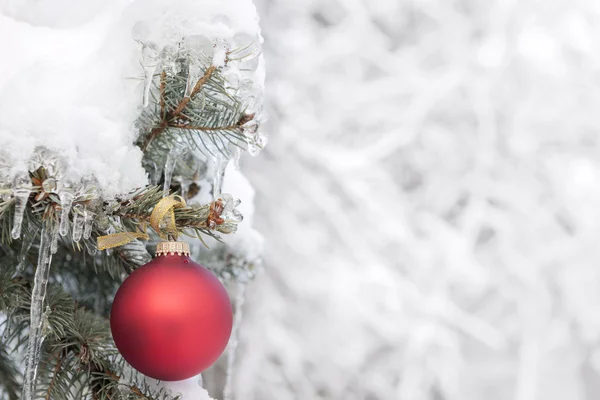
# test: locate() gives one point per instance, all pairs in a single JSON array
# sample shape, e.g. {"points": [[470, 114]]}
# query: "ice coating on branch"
{"points": [[22, 189], [37, 333]]}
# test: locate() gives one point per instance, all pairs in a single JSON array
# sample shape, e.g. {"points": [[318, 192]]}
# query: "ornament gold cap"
{"points": [[173, 248]]}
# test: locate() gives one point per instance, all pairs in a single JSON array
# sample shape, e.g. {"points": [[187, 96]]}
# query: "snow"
{"points": [[189, 389], [73, 79]]}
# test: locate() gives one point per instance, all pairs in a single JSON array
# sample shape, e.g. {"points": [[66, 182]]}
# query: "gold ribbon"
{"points": [[162, 221], [119, 239], [162, 218]]}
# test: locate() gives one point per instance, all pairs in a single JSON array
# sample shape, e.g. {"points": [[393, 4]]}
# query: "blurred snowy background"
{"points": [[430, 199]]}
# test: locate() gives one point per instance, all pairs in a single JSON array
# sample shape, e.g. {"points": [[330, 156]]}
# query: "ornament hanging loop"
{"points": [[172, 248]]}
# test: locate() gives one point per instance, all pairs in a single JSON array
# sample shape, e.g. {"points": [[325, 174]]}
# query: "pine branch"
{"points": [[135, 214], [54, 375], [174, 114], [209, 119]]}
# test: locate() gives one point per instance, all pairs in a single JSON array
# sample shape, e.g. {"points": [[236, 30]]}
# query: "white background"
{"points": [[430, 199]]}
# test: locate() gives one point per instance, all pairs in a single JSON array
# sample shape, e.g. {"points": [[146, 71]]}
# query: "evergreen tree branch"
{"points": [[174, 114]]}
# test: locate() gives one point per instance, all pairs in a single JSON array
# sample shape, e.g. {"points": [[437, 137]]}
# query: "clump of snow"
{"points": [[188, 388]]}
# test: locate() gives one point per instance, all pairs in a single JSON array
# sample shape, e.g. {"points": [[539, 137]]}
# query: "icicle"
{"points": [[237, 154], [219, 175], [78, 221], [169, 167], [22, 190], [240, 298], [54, 239], [66, 201], [149, 62], [25, 246], [155, 174], [88, 222], [91, 248], [194, 75], [174, 154], [36, 328], [255, 147], [228, 202]]}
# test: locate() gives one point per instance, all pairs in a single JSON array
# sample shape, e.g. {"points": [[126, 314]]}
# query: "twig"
{"points": [[54, 373], [163, 86], [204, 128]]}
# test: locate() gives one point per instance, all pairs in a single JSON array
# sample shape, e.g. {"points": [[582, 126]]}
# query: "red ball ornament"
{"points": [[172, 318]]}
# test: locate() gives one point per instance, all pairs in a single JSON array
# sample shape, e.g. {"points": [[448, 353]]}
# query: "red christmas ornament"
{"points": [[172, 318]]}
